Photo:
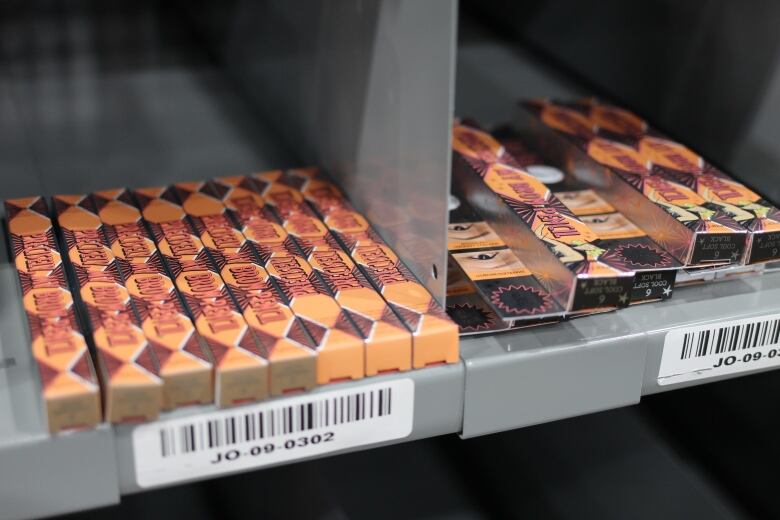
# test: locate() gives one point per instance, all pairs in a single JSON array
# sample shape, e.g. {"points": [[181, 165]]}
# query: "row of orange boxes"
{"points": [[228, 290]]}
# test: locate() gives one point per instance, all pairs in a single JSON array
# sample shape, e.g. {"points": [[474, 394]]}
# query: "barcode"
{"points": [[730, 338], [274, 422]]}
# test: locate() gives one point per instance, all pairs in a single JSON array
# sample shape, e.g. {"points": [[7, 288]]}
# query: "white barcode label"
{"points": [[258, 435], [723, 348]]}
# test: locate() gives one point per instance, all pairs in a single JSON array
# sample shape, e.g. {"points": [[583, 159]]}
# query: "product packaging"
{"points": [[128, 364], [435, 336], [241, 369], [563, 253], [655, 269], [497, 274], [337, 344], [185, 360], [70, 390], [673, 215], [388, 341], [677, 163]]}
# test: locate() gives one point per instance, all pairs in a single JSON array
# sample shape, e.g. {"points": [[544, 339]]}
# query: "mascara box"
{"points": [[564, 255], [671, 160], [673, 215], [655, 269], [495, 271]]}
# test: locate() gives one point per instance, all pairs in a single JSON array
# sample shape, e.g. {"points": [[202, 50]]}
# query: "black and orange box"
{"points": [[185, 361], [388, 341], [287, 345], [434, 335], [676, 162], [240, 366], [70, 389], [561, 251], [340, 348], [672, 214], [494, 270], [129, 369], [656, 270]]}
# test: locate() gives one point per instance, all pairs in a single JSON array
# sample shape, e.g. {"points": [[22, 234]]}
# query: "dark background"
{"points": [[704, 71]]}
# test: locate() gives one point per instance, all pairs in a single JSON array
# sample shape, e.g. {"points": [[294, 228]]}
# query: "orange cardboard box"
{"points": [[435, 336], [388, 341], [241, 370], [70, 390], [288, 347], [132, 389], [185, 361], [340, 346]]}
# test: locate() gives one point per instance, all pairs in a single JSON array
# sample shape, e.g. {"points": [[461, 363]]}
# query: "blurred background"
{"points": [[148, 86]]}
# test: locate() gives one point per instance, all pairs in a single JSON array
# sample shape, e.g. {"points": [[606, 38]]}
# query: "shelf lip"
{"points": [[438, 410]]}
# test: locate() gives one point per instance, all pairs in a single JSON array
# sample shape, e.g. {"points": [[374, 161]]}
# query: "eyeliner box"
{"points": [[672, 214], [564, 255], [655, 269], [676, 162], [497, 274]]}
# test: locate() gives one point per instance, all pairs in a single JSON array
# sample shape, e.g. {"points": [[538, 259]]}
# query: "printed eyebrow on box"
{"points": [[288, 346], [677, 162], [561, 251], [69, 386], [185, 363], [388, 341], [129, 369], [240, 368], [673, 215], [434, 335], [339, 345]]}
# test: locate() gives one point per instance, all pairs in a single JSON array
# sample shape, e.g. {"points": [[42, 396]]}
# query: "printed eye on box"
{"points": [[676, 162], [672, 214], [185, 361], [339, 347], [497, 274], [435, 336], [655, 268], [241, 371], [70, 391], [129, 368], [558, 248], [388, 341]]}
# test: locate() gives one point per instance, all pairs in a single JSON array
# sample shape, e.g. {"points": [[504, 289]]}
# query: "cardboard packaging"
{"points": [[671, 213], [563, 253], [129, 368], [467, 308], [676, 162], [241, 369], [435, 336], [388, 341], [497, 274], [70, 390], [655, 269], [185, 360], [339, 344]]}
